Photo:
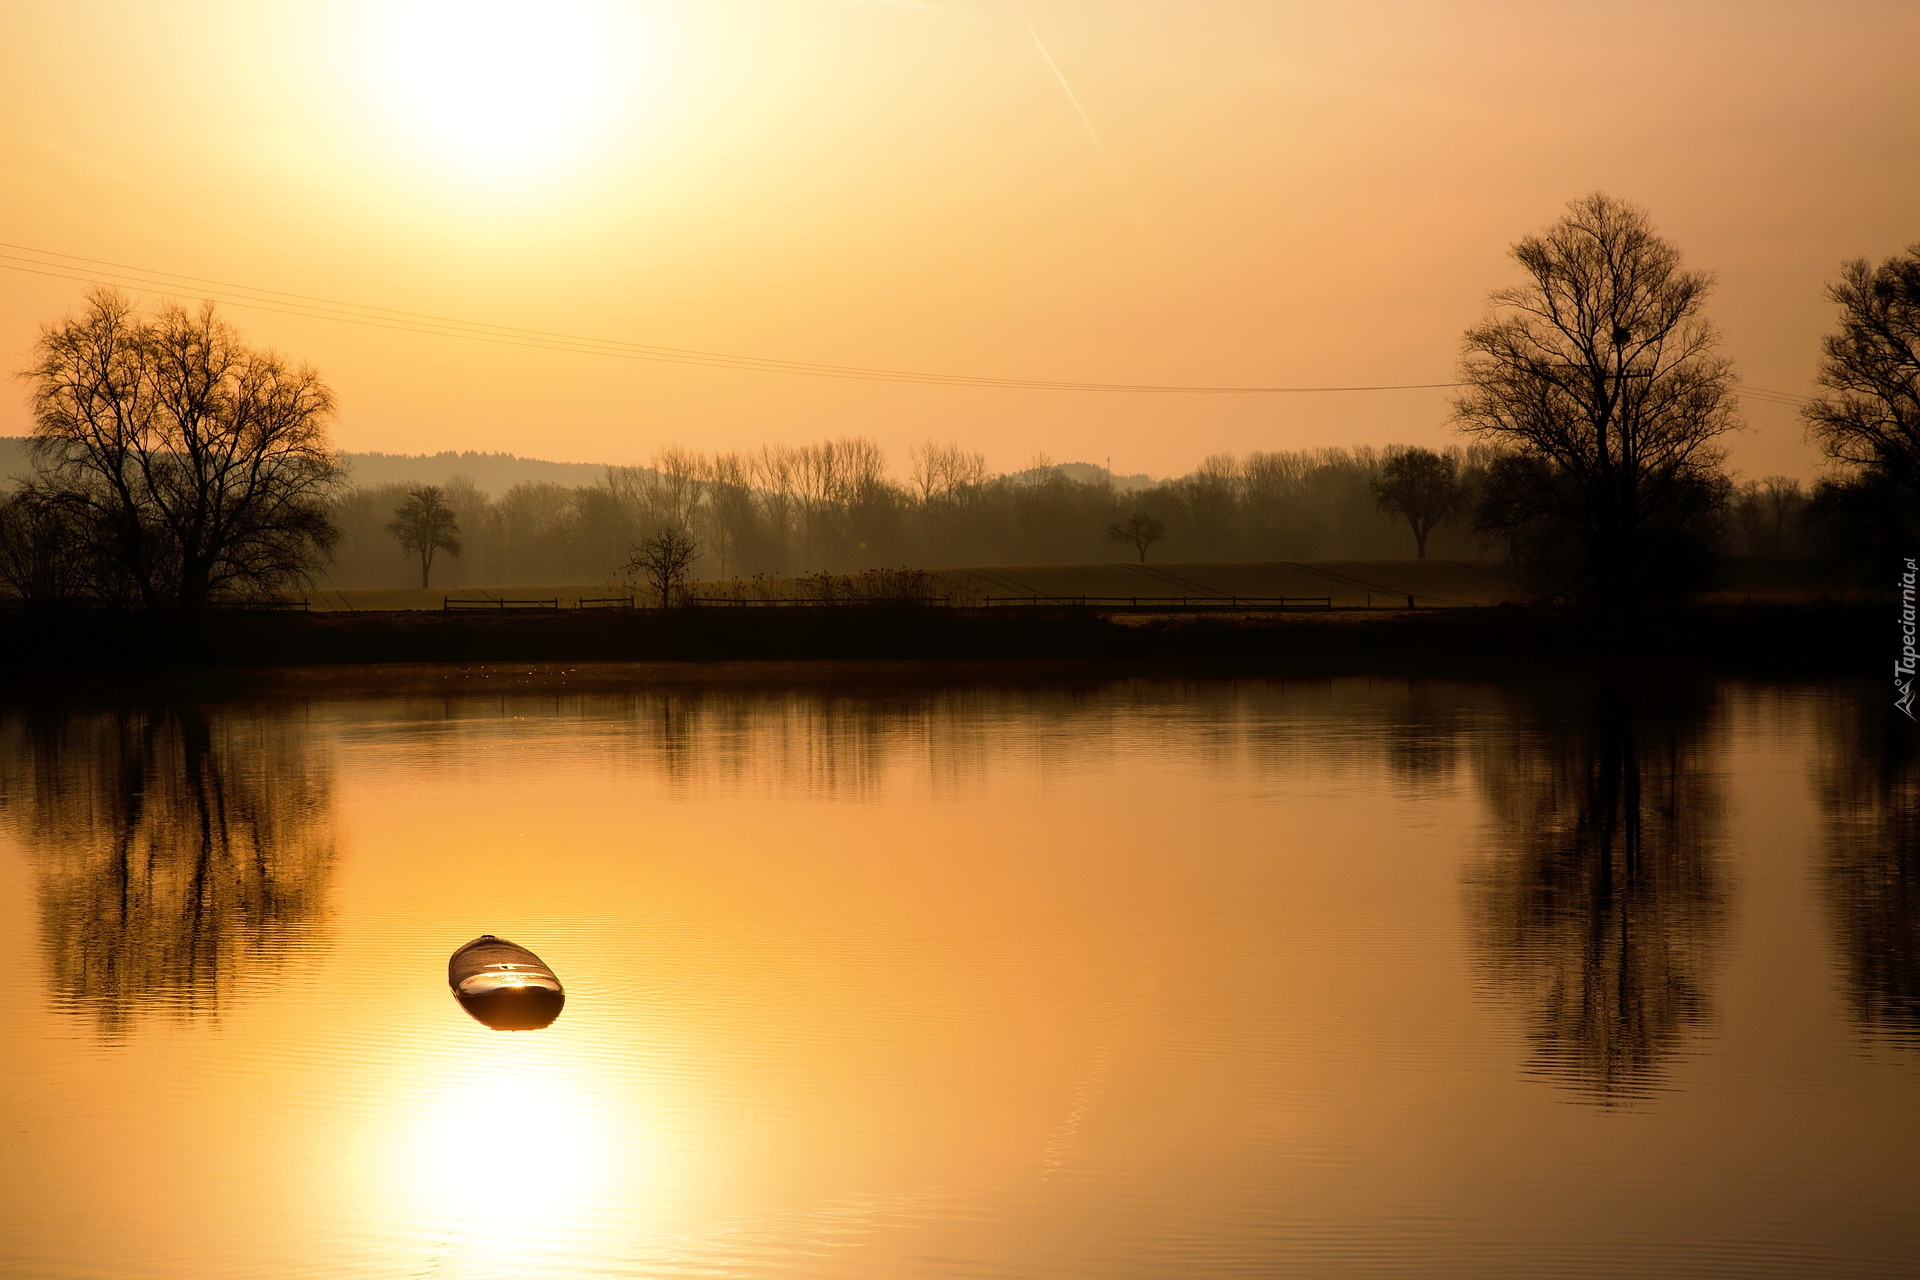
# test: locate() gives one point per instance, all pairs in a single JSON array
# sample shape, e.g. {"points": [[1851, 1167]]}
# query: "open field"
{"points": [[1345, 584]]}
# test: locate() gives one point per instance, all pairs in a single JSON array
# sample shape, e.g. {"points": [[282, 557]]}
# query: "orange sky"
{"points": [[1259, 192]]}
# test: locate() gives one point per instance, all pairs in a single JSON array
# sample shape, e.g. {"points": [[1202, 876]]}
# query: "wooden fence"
{"points": [[450, 605], [1166, 604]]}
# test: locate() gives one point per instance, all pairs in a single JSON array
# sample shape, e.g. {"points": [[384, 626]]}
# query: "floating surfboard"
{"points": [[505, 986]]}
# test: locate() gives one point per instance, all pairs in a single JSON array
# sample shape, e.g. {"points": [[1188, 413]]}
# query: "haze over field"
{"points": [[1231, 193]]}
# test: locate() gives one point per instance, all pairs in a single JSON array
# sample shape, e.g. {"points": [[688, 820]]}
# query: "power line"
{"points": [[1768, 396], [45, 262], [42, 262]]}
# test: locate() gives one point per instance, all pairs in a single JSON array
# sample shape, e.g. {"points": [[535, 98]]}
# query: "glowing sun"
{"points": [[502, 89]]}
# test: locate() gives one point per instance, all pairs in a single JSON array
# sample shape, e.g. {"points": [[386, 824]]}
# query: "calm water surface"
{"points": [[1151, 978]]}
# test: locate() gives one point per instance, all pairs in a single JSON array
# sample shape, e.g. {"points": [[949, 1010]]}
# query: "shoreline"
{"points": [[821, 643]]}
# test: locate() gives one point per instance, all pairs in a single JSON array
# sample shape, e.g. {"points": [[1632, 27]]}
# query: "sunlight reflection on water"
{"points": [[1134, 979]]}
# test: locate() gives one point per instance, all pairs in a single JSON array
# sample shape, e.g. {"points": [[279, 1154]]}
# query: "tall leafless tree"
{"points": [[819, 487], [939, 471], [673, 487], [1603, 379], [202, 465], [1869, 422], [1212, 494], [775, 471], [730, 509]]}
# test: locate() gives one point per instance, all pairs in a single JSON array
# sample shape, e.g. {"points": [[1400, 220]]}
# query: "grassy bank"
{"points": [[1343, 584], [1346, 584], [1833, 638]]}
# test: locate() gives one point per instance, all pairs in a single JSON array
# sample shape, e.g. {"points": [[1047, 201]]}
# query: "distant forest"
{"points": [[836, 506]]}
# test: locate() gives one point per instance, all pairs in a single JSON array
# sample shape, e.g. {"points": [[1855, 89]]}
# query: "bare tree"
{"points": [[544, 521], [1870, 421], [1270, 488], [1212, 494], [862, 469], [202, 464], [818, 486], [46, 553], [926, 470], [1602, 378], [675, 485], [664, 558], [775, 470], [424, 524], [730, 505], [1140, 530], [939, 471], [869, 502], [1421, 487], [1039, 471]]}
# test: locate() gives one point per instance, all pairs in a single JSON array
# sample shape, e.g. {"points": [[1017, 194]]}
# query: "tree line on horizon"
{"points": [[748, 515], [833, 506], [177, 467]]}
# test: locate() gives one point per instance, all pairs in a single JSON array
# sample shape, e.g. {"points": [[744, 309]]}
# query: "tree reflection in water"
{"points": [[1600, 907], [177, 855], [1868, 784]]}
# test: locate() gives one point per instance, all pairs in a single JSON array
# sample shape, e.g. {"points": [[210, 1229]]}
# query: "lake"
{"points": [[882, 978]]}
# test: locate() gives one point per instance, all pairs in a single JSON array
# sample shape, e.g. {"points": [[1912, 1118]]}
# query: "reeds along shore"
{"points": [[1821, 639]]}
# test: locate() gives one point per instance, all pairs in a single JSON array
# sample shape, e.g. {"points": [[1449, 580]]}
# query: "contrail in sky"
{"points": [[1072, 97]]}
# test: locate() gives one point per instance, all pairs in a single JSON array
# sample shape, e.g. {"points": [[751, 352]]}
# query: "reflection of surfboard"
{"points": [[505, 986]]}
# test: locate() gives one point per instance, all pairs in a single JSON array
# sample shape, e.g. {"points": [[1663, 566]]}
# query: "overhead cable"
{"points": [[65, 266]]}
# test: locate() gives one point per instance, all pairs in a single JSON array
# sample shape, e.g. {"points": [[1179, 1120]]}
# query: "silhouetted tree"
{"points": [[47, 554], [201, 466], [1602, 379], [1421, 487], [1601, 907], [1870, 422], [735, 532], [424, 524], [665, 558], [1139, 530], [1212, 496], [940, 471]]}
